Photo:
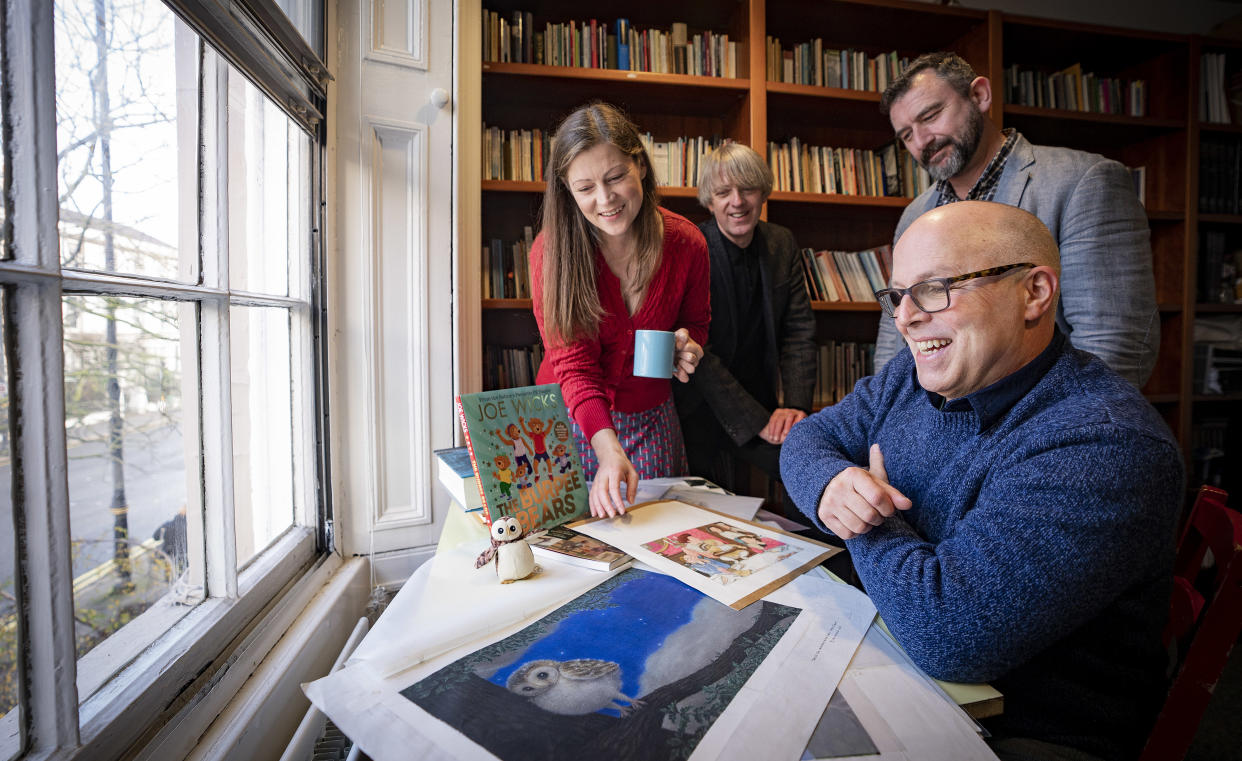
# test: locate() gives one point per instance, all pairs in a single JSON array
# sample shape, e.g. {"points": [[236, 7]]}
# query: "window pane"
{"points": [[263, 451], [307, 18], [10, 673], [119, 134], [4, 159], [268, 192], [125, 419]]}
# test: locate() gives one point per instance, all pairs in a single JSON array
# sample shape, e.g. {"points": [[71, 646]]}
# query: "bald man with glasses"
{"points": [[1008, 501]]}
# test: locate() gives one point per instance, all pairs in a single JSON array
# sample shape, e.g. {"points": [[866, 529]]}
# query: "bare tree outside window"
{"points": [[118, 144]]}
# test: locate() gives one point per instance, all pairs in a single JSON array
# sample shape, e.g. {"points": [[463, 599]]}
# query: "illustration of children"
{"points": [[753, 541], [514, 439], [561, 456], [538, 431], [727, 551], [523, 478], [503, 474]]}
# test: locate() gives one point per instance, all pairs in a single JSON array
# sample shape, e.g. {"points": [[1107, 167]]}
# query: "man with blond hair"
{"points": [[757, 374], [1008, 501]]}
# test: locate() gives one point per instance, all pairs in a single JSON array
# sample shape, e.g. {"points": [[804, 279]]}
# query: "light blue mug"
{"points": [[653, 353]]}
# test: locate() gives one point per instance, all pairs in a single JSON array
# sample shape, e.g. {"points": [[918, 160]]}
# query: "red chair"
{"points": [[1210, 622]]}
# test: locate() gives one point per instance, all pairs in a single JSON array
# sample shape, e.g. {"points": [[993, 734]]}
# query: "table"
{"points": [[883, 704]]}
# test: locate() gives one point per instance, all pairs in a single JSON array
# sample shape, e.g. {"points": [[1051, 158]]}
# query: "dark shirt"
{"points": [[985, 186], [747, 366], [990, 403]]}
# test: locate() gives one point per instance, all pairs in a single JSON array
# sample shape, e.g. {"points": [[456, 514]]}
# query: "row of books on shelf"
{"points": [[509, 366], [848, 171], [676, 162], [889, 171], [1220, 91], [594, 44], [810, 63], [516, 154], [841, 365], [1220, 174], [1073, 90], [506, 270], [1220, 268], [519, 155], [845, 275]]}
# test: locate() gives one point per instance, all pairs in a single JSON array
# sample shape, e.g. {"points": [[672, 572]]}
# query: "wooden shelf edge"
{"points": [[884, 202], [1218, 308], [613, 75], [819, 91], [523, 304], [845, 306], [1217, 397], [1163, 215], [1120, 120], [1222, 219], [1224, 129], [523, 186]]}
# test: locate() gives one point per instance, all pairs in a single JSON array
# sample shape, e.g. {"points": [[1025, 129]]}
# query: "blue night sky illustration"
{"points": [[647, 610]]}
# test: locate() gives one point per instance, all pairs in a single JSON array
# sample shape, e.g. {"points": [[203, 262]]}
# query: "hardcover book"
{"points": [[568, 546], [457, 475], [523, 455]]}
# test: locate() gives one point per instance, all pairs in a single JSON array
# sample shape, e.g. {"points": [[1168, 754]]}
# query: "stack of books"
{"points": [[457, 477]]}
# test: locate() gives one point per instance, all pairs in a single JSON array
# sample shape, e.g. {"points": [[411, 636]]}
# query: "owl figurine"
{"points": [[572, 688], [509, 550]]}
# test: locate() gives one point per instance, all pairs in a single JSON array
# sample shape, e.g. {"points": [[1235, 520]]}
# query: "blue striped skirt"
{"points": [[651, 439]]}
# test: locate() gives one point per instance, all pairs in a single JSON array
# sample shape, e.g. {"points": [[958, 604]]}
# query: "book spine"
{"points": [[623, 44], [474, 464]]}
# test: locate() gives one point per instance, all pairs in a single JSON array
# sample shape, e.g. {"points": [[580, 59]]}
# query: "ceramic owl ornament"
{"points": [[509, 551]]}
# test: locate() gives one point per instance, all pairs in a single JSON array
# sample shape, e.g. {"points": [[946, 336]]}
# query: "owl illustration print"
{"points": [[570, 688]]}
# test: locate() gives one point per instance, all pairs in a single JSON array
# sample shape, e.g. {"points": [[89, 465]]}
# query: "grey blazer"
{"points": [[788, 323], [1108, 293]]}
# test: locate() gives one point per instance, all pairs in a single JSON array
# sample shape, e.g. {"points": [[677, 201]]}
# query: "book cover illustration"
{"points": [[523, 455], [639, 667], [722, 552], [731, 560], [565, 544]]}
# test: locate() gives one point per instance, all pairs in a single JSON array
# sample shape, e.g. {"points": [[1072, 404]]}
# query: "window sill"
{"points": [[177, 667]]}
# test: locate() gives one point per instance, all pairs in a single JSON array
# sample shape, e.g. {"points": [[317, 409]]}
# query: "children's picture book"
{"points": [[639, 667], [457, 476], [523, 455], [565, 545], [732, 560]]}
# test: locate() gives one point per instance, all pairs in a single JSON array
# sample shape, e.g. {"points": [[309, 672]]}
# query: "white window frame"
{"points": [[161, 682]]}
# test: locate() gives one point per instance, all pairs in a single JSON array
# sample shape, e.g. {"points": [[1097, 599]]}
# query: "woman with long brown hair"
{"points": [[609, 261]]}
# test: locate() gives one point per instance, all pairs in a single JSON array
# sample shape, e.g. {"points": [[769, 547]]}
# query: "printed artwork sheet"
{"points": [[731, 560], [640, 666]]}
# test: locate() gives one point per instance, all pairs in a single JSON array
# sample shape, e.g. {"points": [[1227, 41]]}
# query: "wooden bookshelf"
{"points": [[753, 110]]}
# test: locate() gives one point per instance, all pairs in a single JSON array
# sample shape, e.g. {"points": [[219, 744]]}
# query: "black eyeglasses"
{"points": [[933, 295]]}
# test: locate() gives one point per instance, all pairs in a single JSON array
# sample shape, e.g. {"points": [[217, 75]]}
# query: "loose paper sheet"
{"points": [[733, 561], [729, 504]]}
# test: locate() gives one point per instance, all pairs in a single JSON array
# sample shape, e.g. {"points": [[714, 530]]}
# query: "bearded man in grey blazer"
{"points": [[1108, 295], [757, 374]]}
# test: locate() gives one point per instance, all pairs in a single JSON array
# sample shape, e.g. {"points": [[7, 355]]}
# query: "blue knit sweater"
{"points": [[1038, 553]]}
